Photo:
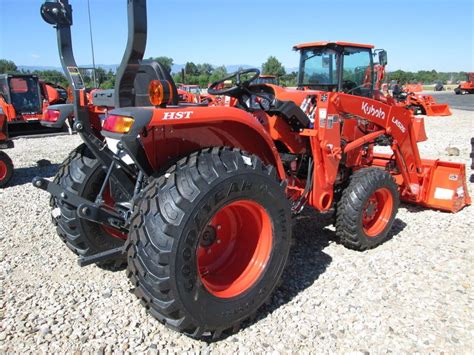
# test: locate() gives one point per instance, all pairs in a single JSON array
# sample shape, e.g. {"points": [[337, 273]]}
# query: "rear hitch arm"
{"points": [[85, 208], [102, 256]]}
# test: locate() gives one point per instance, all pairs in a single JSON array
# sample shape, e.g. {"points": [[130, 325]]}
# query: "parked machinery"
{"points": [[197, 200]]}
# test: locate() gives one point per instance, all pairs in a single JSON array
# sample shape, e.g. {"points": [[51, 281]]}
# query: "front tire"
{"points": [[209, 242], [367, 209]]}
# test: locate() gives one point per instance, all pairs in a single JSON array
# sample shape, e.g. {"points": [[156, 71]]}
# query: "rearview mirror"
{"points": [[383, 58]]}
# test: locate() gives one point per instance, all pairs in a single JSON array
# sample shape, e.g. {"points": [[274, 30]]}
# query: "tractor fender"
{"points": [[66, 110], [171, 133]]}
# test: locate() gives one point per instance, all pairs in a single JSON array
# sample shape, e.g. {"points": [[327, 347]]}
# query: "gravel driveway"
{"points": [[412, 294]]}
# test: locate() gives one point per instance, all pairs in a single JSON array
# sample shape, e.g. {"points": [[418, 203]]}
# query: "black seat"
{"points": [[149, 70], [291, 113]]}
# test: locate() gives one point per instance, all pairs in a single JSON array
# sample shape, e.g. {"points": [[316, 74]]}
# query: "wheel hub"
{"points": [[234, 248], [208, 237], [3, 170], [377, 212]]}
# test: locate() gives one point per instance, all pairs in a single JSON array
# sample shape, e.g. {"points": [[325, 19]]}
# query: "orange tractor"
{"points": [[23, 99], [266, 79], [466, 87], [198, 200], [189, 93], [6, 165], [418, 103]]}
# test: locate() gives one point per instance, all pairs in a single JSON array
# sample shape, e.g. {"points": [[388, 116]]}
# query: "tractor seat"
{"points": [[149, 70], [291, 113]]}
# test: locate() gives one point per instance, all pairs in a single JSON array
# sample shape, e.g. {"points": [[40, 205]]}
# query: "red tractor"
{"points": [[266, 79], [24, 98], [418, 103], [466, 87], [197, 200], [189, 93], [6, 165]]}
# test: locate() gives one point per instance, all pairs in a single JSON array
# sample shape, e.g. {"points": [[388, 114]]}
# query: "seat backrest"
{"points": [[151, 70]]}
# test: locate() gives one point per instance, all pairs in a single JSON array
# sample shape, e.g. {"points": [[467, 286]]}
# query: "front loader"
{"points": [[197, 200], [418, 103]]}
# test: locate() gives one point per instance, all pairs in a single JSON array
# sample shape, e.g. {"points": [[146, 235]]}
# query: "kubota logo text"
{"points": [[177, 115], [373, 111]]}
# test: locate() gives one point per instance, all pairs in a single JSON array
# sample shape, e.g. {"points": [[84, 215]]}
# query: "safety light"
{"points": [[160, 92], [51, 115], [118, 124]]}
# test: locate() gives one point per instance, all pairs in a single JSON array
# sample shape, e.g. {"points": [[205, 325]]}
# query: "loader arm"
{"points": [[393, 121], [435, 184]]}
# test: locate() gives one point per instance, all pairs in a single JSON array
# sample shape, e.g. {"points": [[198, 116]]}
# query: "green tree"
{"points": [[191, 69], [7, 66], [289, 79], [205, 69], [52, 76], [167, 62], [273, 67], [218, 74]]}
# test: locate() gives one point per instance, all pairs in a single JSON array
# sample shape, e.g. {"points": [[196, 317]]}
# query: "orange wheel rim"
{"points": [[235, 248], [3, 170], [377, 212]]}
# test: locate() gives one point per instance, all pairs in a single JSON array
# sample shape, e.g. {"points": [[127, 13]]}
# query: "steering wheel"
{"points": [[348, 86], [239, 88]]}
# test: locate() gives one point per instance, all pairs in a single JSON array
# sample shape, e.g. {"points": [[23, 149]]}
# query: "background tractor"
{"points": [[466, 87], [6, 164], [197, 200], [23, 99]]}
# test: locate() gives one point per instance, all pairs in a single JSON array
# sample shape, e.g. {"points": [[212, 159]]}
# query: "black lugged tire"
{"points": [[9, 169], [363, 184], [168, 219], [82, 175]]}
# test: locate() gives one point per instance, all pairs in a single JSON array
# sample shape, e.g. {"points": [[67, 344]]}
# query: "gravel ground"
{"points": [[412, 294]]}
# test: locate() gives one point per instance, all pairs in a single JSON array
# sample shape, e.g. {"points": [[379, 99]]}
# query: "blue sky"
{"points": [[418, 35]]}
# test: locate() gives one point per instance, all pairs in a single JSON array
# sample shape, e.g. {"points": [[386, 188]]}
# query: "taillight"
{"points": [[51, 115], [118, 124]]}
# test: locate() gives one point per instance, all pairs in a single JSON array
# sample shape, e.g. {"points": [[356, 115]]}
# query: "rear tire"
{"points": [[83, 175], [367, 209], [196, 266], [6, 169]]}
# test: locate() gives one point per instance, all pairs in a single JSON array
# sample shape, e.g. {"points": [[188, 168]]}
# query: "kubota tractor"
{"points": [[24, 98], [466, 87], [198, 200], [6, 164], [266, 79], [418, 103], [189, 93]]}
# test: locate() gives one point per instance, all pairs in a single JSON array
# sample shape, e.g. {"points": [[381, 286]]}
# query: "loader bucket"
{"points": [[444, 186], [438, 110]]}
